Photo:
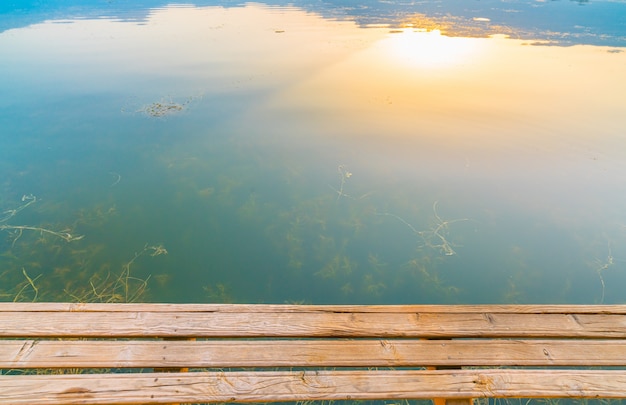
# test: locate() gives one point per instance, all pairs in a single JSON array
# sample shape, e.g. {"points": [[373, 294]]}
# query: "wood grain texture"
{"points": [[281, 308], [363, 341], [310, 324], [299, 386], [22, 354]]}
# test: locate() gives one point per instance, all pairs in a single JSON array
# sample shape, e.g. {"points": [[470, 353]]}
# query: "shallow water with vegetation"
{"points": [[316, 152]]}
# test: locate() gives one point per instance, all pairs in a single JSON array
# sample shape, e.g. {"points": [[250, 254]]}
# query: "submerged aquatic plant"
{"points": [[160, 109], [345, 174], [600, 266], [436, 236], [122, 287], [18, 229], [25, 286]]}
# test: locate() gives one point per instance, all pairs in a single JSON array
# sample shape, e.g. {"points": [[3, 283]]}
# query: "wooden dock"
{"points": [[58, 353]]}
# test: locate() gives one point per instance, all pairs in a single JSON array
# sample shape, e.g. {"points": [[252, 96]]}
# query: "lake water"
{"points": [[317, 152]]}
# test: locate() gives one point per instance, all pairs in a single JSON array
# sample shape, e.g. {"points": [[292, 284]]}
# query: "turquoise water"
{"points": [[437, 152]]}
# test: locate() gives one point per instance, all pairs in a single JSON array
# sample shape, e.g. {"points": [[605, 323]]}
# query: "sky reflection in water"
{"points": [[298, 157]]}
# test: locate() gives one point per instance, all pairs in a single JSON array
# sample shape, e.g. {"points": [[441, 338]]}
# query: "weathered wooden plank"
{"points": [[282, 308], [310, 353], [605, 325], [309, 324], [300, 386]]}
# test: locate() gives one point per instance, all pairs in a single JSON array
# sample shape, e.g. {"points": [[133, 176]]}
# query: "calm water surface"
{"points": [[432, 152]]}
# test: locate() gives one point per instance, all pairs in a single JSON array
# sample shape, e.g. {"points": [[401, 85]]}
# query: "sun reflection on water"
{"points": [[431, 49]]}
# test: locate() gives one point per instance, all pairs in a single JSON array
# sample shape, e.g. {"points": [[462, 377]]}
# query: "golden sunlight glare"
{"points": [[430, 49]]}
